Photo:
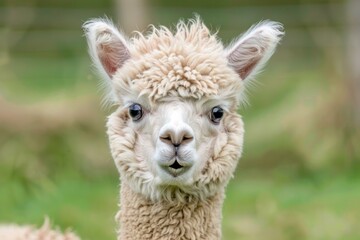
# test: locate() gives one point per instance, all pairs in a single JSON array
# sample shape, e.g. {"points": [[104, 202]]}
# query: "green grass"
{"points": [[88, 207], [297, 208]]}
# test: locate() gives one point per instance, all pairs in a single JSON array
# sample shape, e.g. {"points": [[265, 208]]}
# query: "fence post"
{"points": [[132, 15], [352, 62]]}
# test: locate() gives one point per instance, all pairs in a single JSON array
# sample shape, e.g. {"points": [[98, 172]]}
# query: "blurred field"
{"points": [[299, 177]]}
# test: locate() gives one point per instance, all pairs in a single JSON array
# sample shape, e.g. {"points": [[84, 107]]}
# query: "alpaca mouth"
{"points": [[176, 168], [176, 165]]}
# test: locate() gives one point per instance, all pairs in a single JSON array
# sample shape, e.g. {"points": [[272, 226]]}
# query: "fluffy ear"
{"points": [[107, 47], [248, 54]]}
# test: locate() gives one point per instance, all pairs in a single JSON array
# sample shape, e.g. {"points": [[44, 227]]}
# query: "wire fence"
{"points": [[34, 30]]}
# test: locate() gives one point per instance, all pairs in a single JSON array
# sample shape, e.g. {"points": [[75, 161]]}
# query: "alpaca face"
{"points": [[177, 137], [176, 133], [177, 149]]}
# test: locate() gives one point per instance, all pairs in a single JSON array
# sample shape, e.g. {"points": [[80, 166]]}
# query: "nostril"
{"points": [[166, 139], [187, 138]]}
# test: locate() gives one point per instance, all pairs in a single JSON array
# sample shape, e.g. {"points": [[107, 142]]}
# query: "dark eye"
{"points": [[216, 114], [135, 111]]}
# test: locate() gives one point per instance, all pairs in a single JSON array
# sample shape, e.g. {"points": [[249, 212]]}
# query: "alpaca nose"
{"points": [[176, 135]]}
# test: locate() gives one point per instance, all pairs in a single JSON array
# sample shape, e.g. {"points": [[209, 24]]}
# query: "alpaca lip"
{"points": [[176, 172], [175, 169], [176, 165]]}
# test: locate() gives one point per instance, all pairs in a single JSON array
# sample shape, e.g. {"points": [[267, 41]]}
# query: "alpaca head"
{"points": [[176, 133]]}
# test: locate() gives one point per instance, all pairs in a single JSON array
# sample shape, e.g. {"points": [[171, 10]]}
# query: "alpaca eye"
{"points": [[135, 111], [216, 114]]}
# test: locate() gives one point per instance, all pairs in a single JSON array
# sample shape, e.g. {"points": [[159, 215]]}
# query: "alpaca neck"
{"points": [[143, 219]]}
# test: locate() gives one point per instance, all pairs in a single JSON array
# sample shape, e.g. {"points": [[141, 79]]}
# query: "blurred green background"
{"points": [[299, 174]]}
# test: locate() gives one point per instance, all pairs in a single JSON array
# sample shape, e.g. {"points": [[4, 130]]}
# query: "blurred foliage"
{"points": [[297, 178]]}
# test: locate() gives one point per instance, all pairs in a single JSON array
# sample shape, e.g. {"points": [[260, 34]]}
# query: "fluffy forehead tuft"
{"points": [[188, 62]]}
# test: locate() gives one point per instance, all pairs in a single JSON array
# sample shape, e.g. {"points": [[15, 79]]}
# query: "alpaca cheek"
{"points": [[219, 144]]}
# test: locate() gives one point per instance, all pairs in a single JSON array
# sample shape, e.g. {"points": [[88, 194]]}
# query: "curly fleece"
{"points": [[188, 63], [16, 232]]}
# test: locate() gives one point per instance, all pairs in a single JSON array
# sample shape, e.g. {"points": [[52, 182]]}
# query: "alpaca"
{"points": [[176, 136]]}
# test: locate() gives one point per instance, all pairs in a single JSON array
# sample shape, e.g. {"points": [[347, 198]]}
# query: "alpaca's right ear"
{"points": [[107, 46]]}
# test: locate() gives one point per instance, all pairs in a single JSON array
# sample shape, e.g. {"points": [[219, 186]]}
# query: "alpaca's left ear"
{"points": [[252, 50]]}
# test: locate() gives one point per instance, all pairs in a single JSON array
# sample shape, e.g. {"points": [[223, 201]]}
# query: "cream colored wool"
{"points": [[16, 232], [141, 218]]}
